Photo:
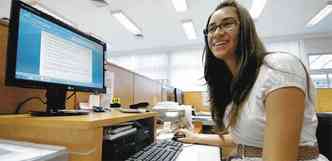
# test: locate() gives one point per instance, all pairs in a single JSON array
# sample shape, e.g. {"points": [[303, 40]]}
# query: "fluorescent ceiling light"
{"points": [[189, 29], [126, 22], [101, 3], [257, 8], [40, 6], [180, 5], [321, 15]]}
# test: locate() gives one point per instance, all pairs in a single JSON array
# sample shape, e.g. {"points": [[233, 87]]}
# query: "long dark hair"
{"points": [[222, 86]]}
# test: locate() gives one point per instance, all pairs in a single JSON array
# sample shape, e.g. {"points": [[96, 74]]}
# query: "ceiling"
{"points": [[161, 25]]}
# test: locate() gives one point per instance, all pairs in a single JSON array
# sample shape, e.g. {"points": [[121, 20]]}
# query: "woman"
{"points": [[264, 100]]}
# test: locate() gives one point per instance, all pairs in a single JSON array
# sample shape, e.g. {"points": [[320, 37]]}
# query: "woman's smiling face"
{"points": [[222, 32]]}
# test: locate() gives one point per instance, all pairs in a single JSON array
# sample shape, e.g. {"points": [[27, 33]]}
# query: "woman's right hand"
{"points": [[190, 137]]}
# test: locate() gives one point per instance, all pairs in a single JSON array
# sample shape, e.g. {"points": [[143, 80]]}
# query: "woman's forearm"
{"points": [[213, 139]]}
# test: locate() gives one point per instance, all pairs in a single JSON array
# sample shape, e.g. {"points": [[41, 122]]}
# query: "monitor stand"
{"points": [[56, 101]]}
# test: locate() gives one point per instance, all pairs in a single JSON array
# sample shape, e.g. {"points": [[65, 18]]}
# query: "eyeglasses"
{"points": [[226, 26]]}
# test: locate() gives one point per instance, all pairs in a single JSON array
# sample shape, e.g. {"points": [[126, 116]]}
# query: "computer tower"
{"points": [[126, 142], [324, 133]]}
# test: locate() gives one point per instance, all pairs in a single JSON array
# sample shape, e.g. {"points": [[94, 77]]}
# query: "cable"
{"points": [[75, 98], [74, 93], [19, 106], [185, 145]]}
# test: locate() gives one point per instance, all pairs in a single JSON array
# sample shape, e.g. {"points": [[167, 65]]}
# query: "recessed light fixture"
{"points": [[180, 5], [189, 29], [257, 8], [126, 22], [321, 15]]}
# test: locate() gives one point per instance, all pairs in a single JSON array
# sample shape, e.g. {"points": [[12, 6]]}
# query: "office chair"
{"points": [[324, 133]]}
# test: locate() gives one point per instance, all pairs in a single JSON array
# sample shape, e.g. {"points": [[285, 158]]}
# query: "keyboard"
{"points": [[162, 151]]}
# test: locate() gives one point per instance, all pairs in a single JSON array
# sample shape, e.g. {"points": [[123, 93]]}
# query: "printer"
{"points": [[179, 116]]}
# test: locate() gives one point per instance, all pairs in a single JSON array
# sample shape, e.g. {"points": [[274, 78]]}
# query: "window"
{"points": [[320, 80], [320, 66], [318, 62]]}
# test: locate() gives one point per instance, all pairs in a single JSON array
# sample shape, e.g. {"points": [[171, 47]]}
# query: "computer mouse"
{"points": [[98, 109], [178, 135]]}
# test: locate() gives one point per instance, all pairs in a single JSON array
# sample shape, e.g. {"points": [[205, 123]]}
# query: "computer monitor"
{"points": [[45, 53], [170, 93], [178, 96]]}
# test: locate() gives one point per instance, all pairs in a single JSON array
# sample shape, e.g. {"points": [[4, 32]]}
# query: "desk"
{"points": [[23, 151], [194, 152], [82, 135]]}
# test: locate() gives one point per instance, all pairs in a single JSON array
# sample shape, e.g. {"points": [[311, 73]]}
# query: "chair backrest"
{"points": [[324, 133]]}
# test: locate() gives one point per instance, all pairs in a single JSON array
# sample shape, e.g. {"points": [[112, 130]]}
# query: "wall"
{"points": [[194, 98], [133, 88], [323, 100], [146, 90], [301, 45], [317, 45], [181, 68], [123, 84]]}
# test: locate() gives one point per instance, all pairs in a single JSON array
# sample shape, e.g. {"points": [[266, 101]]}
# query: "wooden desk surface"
{"points": [[89, 121], [82, 135]]}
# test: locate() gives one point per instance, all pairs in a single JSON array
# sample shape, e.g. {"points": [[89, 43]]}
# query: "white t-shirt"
{"points": [[286, 71]]}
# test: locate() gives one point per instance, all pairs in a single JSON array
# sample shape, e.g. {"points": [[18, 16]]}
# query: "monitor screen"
{"points": [[178, 96], [44, 52], [47, 52]]}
